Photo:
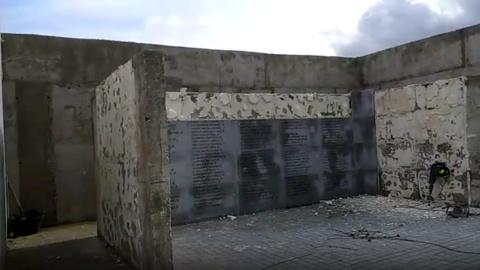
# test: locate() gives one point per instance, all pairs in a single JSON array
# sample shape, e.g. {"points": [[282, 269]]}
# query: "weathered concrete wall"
{"points": [[473, 132], [3, 193], [117, 157], [236, 154], [48, 83], [57, 69], [72, 133], [83, 62], [448, 55], [52, 78], [227, 106], [245, 138], [418, 125], [132, 163]]}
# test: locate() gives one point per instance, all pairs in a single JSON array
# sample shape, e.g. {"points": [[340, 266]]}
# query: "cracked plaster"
{"points": [[183, 106], [117, 157], [418, 125]]}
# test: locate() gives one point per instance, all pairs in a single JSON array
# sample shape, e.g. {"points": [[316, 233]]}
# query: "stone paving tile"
{"points": [[313, 238]]}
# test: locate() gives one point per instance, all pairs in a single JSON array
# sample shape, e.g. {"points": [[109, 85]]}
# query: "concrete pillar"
{"points": [[132, 163]]}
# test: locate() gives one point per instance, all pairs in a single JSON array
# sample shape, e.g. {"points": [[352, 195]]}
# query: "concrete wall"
{"points": [[48, 121], [133, 151], [234, 153], [418, 125], [51, 77], [448, 55], [3, 193], [117, 153], [48, 81], [134, 193], [473, 132], [321, 124]]}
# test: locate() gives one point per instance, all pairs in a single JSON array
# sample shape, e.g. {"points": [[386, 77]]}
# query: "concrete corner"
{"points": [[132, 164]]}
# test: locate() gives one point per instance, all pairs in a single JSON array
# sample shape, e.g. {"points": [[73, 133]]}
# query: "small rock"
{"points": [[231, 217]]}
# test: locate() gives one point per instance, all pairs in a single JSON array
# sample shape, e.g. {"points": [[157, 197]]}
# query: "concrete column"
{"points": [[154, 165], [132, 163]]}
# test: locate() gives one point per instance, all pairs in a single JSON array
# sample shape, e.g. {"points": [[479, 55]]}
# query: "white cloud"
{"points": [[393, 22], [318, 27], [275, 26]]}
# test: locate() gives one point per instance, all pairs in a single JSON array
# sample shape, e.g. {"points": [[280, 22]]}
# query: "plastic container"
{"points": [[28, 224]]}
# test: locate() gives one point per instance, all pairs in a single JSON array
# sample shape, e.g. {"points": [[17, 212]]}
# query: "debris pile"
{"points": [[391, 206]]}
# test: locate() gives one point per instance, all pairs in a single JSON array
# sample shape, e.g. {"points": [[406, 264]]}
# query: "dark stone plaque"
{"points": [[364, 142], [301, 143], [336, 158], [259, 173], [203, 179], [208, 149], [180, 167], [214, 183], [231, 167]]}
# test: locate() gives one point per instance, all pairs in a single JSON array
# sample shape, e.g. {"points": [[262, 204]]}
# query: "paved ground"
{"points": [[55, 235], [322, 236], [69, 247], [84, 254]]}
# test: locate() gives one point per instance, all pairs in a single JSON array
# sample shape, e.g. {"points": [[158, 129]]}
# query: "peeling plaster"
{"points": [[116, 131], [418, 125], [183, 106]]}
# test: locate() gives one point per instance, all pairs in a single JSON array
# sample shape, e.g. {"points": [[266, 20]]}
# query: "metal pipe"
{"points": [[469, 188], [22, 212]]}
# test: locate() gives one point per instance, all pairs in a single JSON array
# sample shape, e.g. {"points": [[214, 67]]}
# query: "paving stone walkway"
{"points": [[333, 235]]}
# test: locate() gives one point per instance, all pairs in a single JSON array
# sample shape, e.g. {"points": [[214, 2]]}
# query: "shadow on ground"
{"points": [[89, 253]]}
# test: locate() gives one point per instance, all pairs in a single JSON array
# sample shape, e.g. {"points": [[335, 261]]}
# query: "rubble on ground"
{"points": [[365, 212]]}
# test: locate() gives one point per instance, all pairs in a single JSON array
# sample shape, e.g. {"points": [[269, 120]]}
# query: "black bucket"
{"points": [[28, 224]]}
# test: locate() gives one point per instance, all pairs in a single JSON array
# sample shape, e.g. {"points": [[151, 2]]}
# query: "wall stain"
{"points": [[418, 125]]}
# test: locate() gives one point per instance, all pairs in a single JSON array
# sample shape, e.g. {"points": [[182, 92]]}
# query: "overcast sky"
{"points": [[317, 27]]}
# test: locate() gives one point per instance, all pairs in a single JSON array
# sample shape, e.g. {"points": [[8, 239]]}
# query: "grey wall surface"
{"points": [[3, 193], [237, 153], [246, 165], [363, 139], [448, 55], [473, 132], [418, 125], [117, 156], [60, 74], [242, 166], [131, 155], [70, 68]]}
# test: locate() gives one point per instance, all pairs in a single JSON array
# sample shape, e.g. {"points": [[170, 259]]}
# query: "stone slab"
{"points": [[236, 167]]}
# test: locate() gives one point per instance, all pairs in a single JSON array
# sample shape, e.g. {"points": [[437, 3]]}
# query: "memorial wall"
{"points": [[164, 155], [236, 154]]}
